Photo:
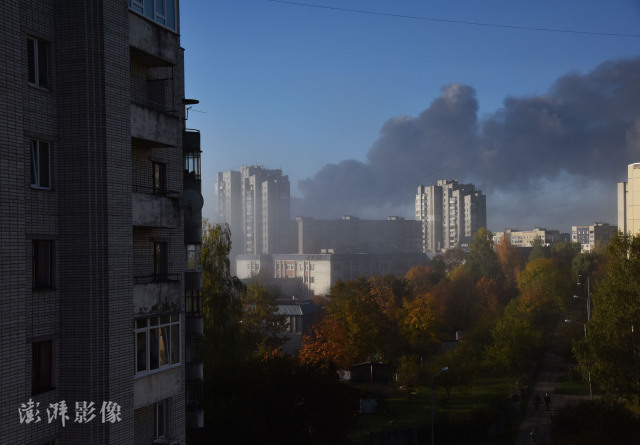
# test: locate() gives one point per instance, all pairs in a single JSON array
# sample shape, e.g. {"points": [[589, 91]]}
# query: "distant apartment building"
{"points": [[305, 275], [450, 214], [598, 234], [355, 235], [525, 238], [629, 201], [101, 226], [256, 203]]}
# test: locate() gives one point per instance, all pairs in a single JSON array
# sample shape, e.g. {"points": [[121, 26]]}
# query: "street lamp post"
{"points": [[585, 326], [432, 389]]}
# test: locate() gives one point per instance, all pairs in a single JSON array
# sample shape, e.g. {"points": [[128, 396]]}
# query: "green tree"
{"points": [[482, 260], [610, 350], [222, 294], [261, 325], [545, 289], [410, 374], [539, 249], [516, 346]]}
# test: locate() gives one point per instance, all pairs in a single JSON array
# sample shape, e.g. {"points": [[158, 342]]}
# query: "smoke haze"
{"points": [[549, 160]]}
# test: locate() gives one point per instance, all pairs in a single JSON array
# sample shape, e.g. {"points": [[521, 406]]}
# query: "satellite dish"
{"points": [[191, 200]]}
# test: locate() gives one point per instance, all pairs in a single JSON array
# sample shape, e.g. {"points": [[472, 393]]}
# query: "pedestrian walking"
{"points": [[547, 401], [536, 401]]}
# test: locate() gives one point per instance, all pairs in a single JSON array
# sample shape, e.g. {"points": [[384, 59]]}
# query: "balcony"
{"points": [[153, 43], [154, 210], [156, 294], [152, 124]]}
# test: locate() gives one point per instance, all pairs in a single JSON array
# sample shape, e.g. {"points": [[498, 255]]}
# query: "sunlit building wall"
{"points": [[629, 201], [450, 213], [597, 234]]}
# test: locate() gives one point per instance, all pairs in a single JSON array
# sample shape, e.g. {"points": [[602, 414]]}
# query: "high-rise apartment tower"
{"points": [[451, 213], [101, 226], [256, 202]]}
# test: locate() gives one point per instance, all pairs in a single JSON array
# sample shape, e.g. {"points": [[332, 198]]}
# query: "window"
{"points": [[192, 164], [159, 177], [194, 257], [162, 417], [160, 266], [42, 263], [41, 366], [40, 165], [194, 302], [157, 342], [37, 63], [160, 11]]}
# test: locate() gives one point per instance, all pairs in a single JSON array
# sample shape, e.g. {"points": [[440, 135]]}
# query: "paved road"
{"points": [[538, 421]]}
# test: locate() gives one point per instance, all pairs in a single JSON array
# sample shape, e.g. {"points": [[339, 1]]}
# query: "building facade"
{"points": [[355, 235], [305, 275], [256, 203], [597, 234], [525, 238], [629, 201], [97, 223], [450, 214]]}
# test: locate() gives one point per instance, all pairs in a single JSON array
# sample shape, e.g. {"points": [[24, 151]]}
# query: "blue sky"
{"points": [[299, 87]]}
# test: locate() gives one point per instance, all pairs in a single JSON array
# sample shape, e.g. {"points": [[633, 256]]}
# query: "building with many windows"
{"points": [[525, 238], [256, 203], [101, 226], [450, 214], [597, 234], [305, 275]]}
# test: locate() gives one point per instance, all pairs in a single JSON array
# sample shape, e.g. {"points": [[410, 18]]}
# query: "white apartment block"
{"points": [[525, 238], [314, 274], [629, 201], [451, 213]]}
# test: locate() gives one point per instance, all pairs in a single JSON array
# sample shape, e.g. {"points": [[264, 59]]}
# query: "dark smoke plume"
{"points": [[548, 159]]}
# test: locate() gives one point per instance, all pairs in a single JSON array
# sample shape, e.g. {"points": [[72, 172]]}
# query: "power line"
{"points": [[459, 22]]}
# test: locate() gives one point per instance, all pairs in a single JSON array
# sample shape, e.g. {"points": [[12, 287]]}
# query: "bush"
{"points": [[595, 422]]}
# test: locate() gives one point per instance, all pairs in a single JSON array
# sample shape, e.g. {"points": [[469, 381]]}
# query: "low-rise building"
{"points": [[525, 238], [598, 234]]}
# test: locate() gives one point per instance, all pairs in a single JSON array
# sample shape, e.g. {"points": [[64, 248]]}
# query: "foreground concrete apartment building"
{"points": [[100, 226]]}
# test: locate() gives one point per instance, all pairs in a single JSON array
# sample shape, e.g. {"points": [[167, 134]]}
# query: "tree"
{"points": [[512, 262], [516, 346], [222, 293], [610, 350], [539, 250], [421, 279], [544, 290], [419, 323], [482, 260], [444, 263], [327, 346], [261, 325], [410, 374]]}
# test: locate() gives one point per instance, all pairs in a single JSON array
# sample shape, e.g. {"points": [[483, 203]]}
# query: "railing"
{"points": [[162, 108], [156, 278], [155, 191]]}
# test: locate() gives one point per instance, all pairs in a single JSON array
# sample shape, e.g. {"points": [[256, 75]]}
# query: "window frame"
{"points": [[36, 147], [151, 331], [193, 261], [159, 178], [37, 62], [40, 258], [38, 383], [161, 423], [160, 260], [165, 16]]}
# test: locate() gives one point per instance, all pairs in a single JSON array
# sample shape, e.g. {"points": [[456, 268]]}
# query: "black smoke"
{"points": [[553, 158]]}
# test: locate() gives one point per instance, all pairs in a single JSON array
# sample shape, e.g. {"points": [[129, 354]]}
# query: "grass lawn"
{"points": [[472, 406], [572, 387]]}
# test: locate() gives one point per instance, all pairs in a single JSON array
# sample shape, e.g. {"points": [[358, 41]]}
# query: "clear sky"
{"points": [[356, 86]]}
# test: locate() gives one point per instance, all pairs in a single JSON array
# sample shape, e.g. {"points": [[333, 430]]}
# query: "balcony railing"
{"points": [[156, 278]]}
